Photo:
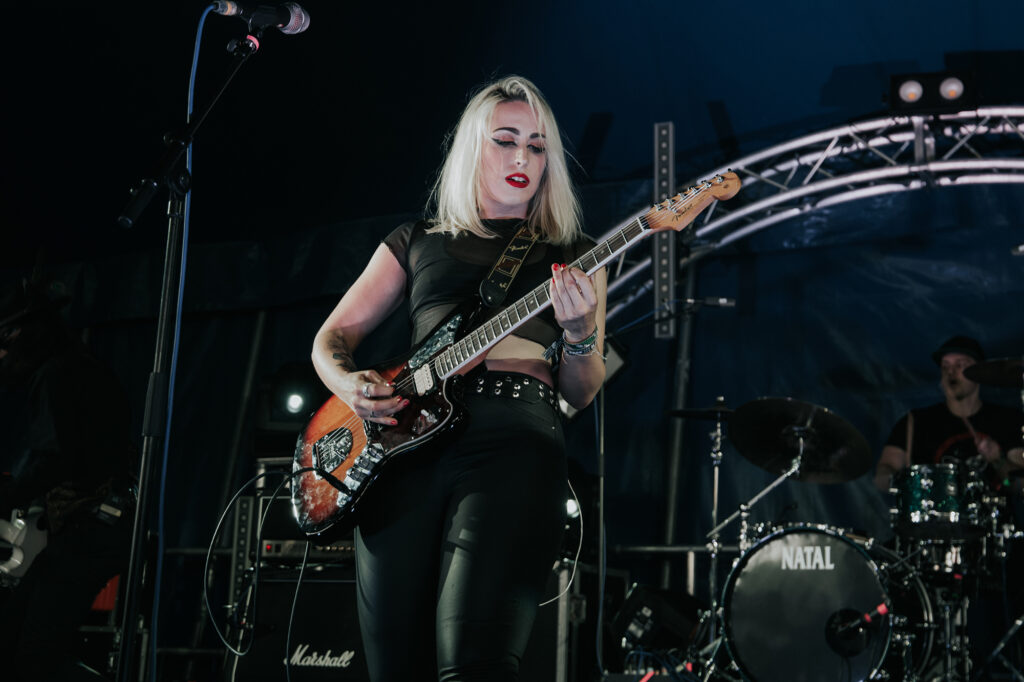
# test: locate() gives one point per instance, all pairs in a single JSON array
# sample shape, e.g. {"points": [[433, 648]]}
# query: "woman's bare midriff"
{"points": [[516, 354]]}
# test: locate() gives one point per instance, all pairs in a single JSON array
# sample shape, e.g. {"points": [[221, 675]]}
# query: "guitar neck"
{"points": [[479, 341]]}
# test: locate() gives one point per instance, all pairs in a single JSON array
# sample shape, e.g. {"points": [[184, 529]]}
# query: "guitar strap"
{"points": [[494, 287]]}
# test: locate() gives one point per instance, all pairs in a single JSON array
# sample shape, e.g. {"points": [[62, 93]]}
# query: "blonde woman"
{"points": [[455, 540]]}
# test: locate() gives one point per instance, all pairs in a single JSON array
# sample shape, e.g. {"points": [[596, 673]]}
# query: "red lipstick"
{"points": [[518, 180]]}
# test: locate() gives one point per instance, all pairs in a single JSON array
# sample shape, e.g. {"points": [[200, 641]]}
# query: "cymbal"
{"points": [[998, 372], [768, 432], [716, 413]]}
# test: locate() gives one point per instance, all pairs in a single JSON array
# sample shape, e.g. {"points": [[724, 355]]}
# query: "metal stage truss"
{"points": [[856, 161]]}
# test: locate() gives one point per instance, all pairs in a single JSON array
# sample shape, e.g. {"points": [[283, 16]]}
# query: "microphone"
{"points": [[866, 618], [288, 18], [848, 632]]}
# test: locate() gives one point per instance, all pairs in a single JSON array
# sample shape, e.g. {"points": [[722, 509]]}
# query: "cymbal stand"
{"points": [[714, 546], [956, 662], [997, 652], [744, 510]]}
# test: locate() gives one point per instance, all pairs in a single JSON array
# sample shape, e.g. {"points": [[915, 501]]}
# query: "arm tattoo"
{"points": [[341, 353]]}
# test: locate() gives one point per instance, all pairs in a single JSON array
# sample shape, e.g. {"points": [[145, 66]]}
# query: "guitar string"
{"points": [[672, 205]]}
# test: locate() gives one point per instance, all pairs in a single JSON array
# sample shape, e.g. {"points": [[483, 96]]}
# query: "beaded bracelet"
{"points": [[584, 347]]}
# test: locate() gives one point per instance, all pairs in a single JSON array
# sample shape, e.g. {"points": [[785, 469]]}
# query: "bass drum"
{"points": [[794, 606]]}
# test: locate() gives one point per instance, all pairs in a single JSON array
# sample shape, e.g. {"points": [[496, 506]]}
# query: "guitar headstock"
{"points": [[679, 211]]}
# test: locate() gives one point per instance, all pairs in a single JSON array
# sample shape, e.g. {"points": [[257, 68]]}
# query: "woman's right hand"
{"points": [[370, 396]]}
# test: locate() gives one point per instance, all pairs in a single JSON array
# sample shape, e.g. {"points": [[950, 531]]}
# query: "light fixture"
{"points": [[288, 397], [951, 88], [910, 91], [294, 403], [938, 92]]}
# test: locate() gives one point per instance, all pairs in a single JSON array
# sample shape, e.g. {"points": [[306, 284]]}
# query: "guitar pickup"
{"points": [[423, 378]]}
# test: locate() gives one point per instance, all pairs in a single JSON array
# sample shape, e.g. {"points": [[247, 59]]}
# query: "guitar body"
{"points": [[354, 452], [27, 538]]}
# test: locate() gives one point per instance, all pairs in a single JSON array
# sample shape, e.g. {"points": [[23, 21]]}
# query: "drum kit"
{"points": [[809, 602]]}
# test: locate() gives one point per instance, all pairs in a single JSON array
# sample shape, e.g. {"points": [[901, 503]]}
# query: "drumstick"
{"points": [[967, 422], [974, 435]]}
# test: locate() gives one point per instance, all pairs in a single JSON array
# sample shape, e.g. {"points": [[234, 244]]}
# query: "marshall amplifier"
{"points": [[325, 640], [284, 543]]}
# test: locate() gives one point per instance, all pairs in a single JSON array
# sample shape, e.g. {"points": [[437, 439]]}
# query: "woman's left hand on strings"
{"points": [[574, 301]]}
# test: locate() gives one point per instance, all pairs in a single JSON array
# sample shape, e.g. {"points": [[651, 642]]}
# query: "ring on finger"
{"points": [[373, 413], [366, 390]]}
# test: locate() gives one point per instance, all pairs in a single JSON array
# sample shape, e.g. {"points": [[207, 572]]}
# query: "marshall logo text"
{"points": [[301, 659]]}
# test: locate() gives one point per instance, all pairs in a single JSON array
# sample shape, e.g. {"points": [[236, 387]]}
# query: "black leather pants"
{"points": [[455, 545]]}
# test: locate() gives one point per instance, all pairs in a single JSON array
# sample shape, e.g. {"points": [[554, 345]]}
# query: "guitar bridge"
{"points": [[332, 449]]}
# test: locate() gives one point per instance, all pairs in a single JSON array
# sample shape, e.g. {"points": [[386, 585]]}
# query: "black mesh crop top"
{"points": [[442, 271]]}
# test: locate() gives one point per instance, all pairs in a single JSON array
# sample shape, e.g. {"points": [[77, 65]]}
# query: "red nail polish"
{"points": [[394, 422], [563, 266]]}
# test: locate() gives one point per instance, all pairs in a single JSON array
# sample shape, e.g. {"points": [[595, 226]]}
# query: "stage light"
{"points": [[931, 93], [572, 509], [294, 403], [951, 88], [288, 396], [910, 91]]}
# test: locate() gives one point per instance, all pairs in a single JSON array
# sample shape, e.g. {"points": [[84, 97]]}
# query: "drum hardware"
{"points": [[997, 653], [954, 637], [796, 440], [744, 509], [717, 413]]}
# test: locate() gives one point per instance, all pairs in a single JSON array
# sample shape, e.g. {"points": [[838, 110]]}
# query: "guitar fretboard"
{"points": [[472, 345]]}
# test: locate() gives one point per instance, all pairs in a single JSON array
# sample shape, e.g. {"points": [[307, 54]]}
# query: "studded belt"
{"points": [[512, 385]]}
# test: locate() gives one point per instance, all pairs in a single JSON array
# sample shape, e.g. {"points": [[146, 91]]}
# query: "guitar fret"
{"points": [[526, 309]]}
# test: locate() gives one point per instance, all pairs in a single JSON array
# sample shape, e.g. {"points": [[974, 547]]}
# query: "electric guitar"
{"points": [[338, 455], [26, 538]]}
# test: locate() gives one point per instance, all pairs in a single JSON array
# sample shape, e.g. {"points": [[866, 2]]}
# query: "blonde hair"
{"points": [[554, 210]]}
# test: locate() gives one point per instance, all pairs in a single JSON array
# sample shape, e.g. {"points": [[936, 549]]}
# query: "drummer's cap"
{"points": [[959, 344]]}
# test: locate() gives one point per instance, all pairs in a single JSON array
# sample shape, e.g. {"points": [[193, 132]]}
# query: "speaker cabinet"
{"points": [[325, 639]]}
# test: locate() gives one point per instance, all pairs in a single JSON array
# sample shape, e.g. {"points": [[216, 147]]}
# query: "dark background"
{"points": [[327, 140]]}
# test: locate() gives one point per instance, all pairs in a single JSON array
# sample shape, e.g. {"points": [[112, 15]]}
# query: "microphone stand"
{"points": [[170, 174]]}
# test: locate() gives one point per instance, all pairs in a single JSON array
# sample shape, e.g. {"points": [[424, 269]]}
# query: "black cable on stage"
{"points": [[291, 616], [252, 588]]}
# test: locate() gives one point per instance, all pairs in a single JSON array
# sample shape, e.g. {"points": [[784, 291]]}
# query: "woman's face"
{"points": [[512, 163]]}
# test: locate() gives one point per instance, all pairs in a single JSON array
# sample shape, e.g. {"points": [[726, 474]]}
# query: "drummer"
{"points": [[962, 429]]}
